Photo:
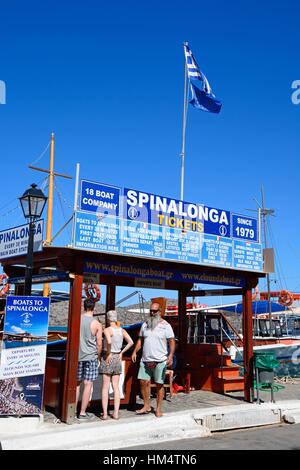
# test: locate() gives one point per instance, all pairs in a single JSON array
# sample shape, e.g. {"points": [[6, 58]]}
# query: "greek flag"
{"points": [[193, 70], [203, 97]]}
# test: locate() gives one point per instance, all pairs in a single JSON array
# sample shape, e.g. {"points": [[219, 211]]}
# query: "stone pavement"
{"points": [[186, 416], [281, 437], [199, 399], [291, 391], [179, 402]]}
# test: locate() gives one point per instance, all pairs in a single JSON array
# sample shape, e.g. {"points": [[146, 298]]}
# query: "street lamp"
{"points": [[32, 202]]}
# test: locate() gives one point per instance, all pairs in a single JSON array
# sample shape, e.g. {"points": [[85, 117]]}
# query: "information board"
{"points": [[136, 223], [14, 241], [23, 355], [94, 232]]}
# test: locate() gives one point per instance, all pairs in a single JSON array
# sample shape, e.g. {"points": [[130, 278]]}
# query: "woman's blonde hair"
{"points": [[112, 316]]}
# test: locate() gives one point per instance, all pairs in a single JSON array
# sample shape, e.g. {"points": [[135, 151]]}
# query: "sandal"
{"points": [[103, 418], [138, 412]]}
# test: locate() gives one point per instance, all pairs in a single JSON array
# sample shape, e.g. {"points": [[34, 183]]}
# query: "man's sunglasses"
{"points": [[154, 311]]}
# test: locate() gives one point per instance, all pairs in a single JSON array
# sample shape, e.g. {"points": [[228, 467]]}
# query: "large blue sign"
{"points": [[142, 239], [96, 232], [14, 241], [144, 272], [100, 198], [244, 228], [175, 214], [247, 256], [23, 355], [135, 223], [217, 251]]}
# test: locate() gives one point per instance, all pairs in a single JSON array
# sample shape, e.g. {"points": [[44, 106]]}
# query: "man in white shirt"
{"points": [[154, 337]]}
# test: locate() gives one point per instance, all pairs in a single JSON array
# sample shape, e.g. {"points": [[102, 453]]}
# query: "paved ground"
{"points": [[179, 423], [201, 399], [290, 390], [283, 437], [180, 402]]}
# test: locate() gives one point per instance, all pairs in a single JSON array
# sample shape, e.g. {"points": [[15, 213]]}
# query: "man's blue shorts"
{"points": [[87, 370], [157, 373]]}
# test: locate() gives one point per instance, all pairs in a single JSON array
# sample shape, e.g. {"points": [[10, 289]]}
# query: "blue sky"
{"points": [[108, 80]]}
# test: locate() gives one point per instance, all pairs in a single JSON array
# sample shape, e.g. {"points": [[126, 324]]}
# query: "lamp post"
{"points": [[32, 202]]}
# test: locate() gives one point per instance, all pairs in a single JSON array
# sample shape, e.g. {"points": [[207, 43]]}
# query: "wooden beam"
{"points": [[248, 344], [72, 350], [110, 299], [47, 171], [182, 321]]}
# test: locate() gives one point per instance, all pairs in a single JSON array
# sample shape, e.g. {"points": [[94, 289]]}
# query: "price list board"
{"points": [[247, 256], [217, 251], [142, 239], [182, 245], [97, 233]]}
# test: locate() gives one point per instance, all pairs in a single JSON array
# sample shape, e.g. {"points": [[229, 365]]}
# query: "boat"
{"points": [[222, 324]]}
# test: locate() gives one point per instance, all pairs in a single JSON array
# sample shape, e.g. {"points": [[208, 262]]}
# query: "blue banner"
{"points": [[14, 241], [245, 228], [142, 239], [100, 198], [136, 223], [217, 251], [247, 256], [23, 355], [93, 232], [144, 272], [175, 214]]}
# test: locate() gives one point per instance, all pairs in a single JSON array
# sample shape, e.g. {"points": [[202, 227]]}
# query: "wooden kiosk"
{"points": [[73, 265]]}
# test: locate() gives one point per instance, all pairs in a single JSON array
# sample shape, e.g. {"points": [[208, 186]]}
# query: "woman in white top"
{"points": [[111, 361]]}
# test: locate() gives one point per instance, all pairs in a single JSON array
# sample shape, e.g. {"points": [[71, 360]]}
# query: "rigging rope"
{"points": [[61, 200], [10, 211], [41, 155]]}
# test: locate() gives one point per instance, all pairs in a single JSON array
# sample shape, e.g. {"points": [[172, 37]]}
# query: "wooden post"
{"points": [[19, 289], [70, 375], [185, 371], [182, 326], [248, 344], [110, 299]]}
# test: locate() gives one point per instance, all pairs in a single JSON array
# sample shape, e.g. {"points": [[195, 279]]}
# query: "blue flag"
{"points": [[205, 101], [202, 97]]}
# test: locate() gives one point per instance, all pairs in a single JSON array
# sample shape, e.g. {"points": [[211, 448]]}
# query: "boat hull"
{"points": [[288, 356]]}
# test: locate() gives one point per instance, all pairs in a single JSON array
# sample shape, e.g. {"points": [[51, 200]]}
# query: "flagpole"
{"points": [[184, 118]]}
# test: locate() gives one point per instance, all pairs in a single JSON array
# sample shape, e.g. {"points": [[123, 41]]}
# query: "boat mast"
{"points": [[46, 288], [50, 193], [51, 172], [264, 213]]}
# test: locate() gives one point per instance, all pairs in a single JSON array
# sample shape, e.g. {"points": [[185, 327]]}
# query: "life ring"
{"points": [[6, 286], [255, 293], [92, 291], [285, 298]]}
